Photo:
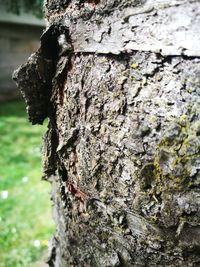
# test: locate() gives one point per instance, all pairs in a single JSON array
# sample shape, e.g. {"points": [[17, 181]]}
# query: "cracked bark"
{"points": [[119, 81]]}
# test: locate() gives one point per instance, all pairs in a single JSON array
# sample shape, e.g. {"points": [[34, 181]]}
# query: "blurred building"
{"points": [[19, 37]]}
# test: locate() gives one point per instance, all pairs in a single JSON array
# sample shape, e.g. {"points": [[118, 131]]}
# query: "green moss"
{"points": [[134, 65], [158, 173], [173, 168], [181, 150], [189, 90], [154, 218], [183, 120]]}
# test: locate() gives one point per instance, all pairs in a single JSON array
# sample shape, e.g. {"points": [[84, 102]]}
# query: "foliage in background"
{"points": [[25, 213], [31, 6]]}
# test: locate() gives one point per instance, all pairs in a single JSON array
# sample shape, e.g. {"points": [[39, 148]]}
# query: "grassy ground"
{"points": [[25, 213]]}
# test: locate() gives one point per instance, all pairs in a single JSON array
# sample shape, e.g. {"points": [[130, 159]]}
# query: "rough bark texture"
{"points": [[120, 83]]}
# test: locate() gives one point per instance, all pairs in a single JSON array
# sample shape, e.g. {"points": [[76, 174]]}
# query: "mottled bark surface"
{"points": [[123, 146]]}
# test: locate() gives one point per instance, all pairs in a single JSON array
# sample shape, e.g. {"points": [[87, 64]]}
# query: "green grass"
{"points": [[25, 215]]}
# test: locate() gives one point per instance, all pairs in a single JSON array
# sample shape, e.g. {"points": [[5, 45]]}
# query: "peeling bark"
{"points": [[123, 149]]}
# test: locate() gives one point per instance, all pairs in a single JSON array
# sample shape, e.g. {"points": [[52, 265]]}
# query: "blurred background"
{"points": [[25, 208]]}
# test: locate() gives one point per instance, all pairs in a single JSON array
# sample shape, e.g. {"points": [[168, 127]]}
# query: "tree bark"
{"points": [[120, 83]]}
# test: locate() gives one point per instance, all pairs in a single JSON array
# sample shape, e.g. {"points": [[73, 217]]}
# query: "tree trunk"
{"points": [[120, 83]]}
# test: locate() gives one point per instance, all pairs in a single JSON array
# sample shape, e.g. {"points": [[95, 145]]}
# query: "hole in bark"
{"points": [[52, 258], [98, 185], [63, 196], [50, 46], [70, 64], [63, 174], [61, 95], [147, 175], [49, 43]]}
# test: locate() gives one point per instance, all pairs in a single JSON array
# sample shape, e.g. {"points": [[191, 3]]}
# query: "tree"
{"points": [[119, 82]]}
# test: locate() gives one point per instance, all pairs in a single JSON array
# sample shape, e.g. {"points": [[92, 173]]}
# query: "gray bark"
{"points": [[119, 81]]}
